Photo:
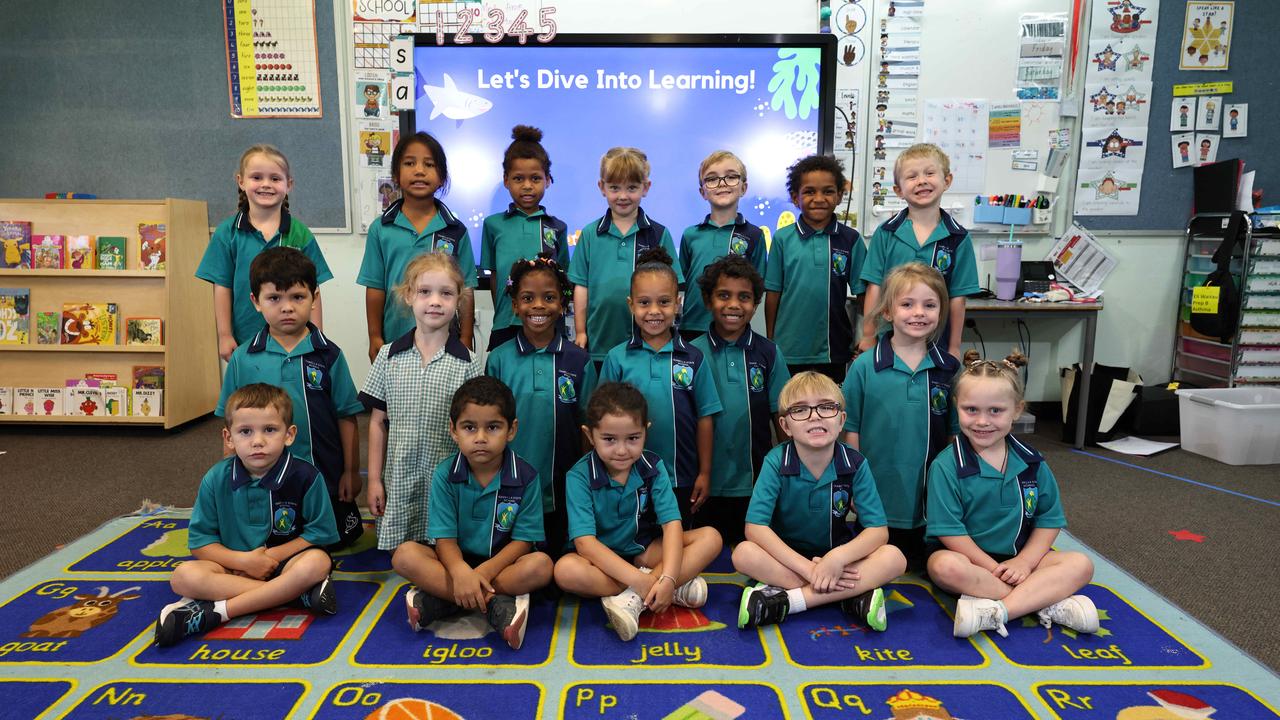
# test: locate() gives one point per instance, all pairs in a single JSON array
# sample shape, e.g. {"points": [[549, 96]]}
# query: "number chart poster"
{"points": [[272, 65], [677, 104]]}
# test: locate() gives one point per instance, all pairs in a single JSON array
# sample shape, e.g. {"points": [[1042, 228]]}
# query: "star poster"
{"points": [[1206, 36]]}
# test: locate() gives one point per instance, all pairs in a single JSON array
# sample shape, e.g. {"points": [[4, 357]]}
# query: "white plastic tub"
{"points": [[1237, 426]]}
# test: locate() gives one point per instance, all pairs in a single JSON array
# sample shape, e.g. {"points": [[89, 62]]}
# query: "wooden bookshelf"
{"points": [[190, 352]]}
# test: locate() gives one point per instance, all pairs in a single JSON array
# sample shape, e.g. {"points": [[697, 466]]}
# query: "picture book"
{"points": [[24, 401], [111, 253], [15, 316], [152, 246], [47, 328], [80, 253], [147, 403], [83, 398], [15, 237], [115, 400], [48, 401], [148, 376], [47, 252], [103, 379], [143, 331], [6, 401], [90, 324]]}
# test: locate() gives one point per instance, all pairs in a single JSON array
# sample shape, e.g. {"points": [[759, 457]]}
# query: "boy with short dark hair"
{"points": [[749, 372], [800, 547], [258, 528], [485, 516], [292, 353]]}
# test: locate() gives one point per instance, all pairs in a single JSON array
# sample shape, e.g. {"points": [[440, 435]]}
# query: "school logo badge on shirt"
{"points": [[1028, 501], [505, 516], [549, 239], [839, 503], [839, 262], [445, 245], [314, 375], [681, 375], [565, 390], [938, 402], [942, 259], [755, 378], [642, 500], [738, 245], [282, 521]]}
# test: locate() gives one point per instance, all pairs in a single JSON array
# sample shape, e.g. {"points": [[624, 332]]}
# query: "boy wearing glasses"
{"points": [[722, 181], [801, 549]]}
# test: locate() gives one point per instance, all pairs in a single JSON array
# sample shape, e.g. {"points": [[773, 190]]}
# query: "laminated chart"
{"points": [[272, 64]]}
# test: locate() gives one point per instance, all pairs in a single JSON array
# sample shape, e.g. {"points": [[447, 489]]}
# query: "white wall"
{"points": [[1135, 328]]}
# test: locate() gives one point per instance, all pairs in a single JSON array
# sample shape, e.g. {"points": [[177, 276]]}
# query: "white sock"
{"points": [[796, 599], [220, 607], [1004, 612]]}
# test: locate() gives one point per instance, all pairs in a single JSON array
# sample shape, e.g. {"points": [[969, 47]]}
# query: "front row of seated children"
{"points": [[263, 517]]}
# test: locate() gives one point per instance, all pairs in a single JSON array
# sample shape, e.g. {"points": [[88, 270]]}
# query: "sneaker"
{"points": [[974, 615], [321, 598], [762, 605], [624, 611], [509, 616], [185, 617], [1076, 612], [424, 609], [692, 594], [867, 608]]}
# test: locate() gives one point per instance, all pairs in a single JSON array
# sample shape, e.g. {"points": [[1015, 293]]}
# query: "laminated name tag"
{"points": [[1204, 299]]}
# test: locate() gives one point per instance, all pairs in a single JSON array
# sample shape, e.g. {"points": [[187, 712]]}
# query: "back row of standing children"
{"points": [[410, 388]]}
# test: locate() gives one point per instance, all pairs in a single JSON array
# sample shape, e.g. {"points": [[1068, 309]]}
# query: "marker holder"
{"points": [[996, 214]]}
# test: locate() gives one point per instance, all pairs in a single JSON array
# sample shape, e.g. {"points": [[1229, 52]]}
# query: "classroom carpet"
{"points": [[76, 631]]}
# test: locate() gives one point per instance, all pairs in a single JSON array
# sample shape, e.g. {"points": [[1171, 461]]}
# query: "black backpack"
{"points": [[1222, 321]]}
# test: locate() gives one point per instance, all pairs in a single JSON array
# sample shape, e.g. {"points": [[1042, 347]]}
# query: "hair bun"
{"points": [[526, 133], [971, 356], [1016, 359], [655, 255]]}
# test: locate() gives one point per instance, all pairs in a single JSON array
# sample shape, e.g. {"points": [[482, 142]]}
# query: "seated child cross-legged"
{"points": [[998, 554], [258, 528], [799, 547], [624, 522], [485, 516]]}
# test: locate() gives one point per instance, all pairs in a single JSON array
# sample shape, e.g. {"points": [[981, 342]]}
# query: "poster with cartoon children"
{"points": [[1206, 36], [371, 97], [374, 147]]}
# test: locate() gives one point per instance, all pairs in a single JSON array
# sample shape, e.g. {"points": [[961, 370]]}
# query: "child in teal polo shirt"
{"points": [[295, 355], [898, 401], [262, 221], [416, 223], [607, 252], [814, 264], [258, 527], [673, 377], [800, 546], [552, 380], [485, 516], [722, 181], [524, 231], [922, 232], [749, 373], [629, 548], [994, 506]]}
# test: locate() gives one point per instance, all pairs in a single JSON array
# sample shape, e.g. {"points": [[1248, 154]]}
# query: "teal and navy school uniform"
{"points": [[679, 389], [316, 377], [232, 248], [484, 519], [749, 373], [814, 270], [602, 262], [393, 242], [903, 418], [809, 513], [242, 513], [998, 510], [512, 236], [552, 386], [948, 249], [703, 244], [625, 518]]}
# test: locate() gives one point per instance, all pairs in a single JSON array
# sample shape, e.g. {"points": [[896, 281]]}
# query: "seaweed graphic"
{"points": [[795, 71]]}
